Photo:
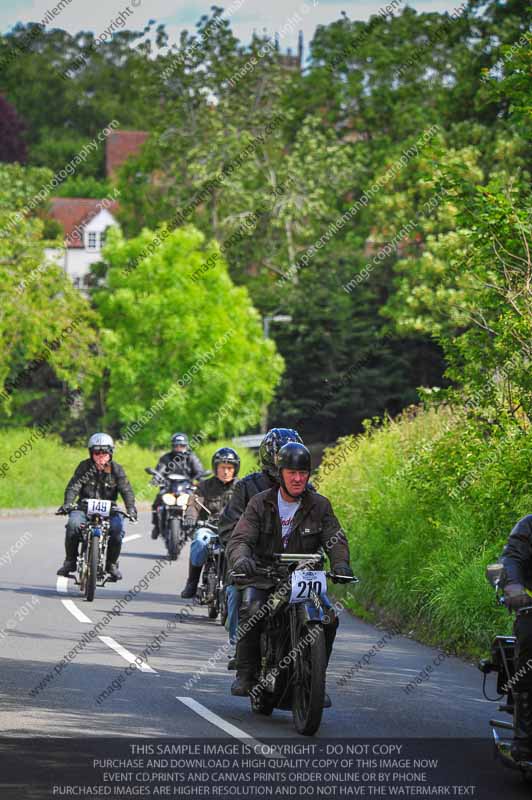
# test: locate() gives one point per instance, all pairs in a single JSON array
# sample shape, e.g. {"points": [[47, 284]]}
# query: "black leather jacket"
{"points": [[517, 554], [106, 484], [187, 464], [214, 494], [244, 490]]}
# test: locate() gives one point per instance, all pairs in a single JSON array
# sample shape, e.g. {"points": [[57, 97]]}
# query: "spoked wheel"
{"points": [[92, 571], [173, 538], [212, 593], [223, 606], [83, 578], [309, 689]]}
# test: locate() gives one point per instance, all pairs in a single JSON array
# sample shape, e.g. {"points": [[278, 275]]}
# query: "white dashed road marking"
{"points": [[75, 611], [126, 654], [210, 716]]}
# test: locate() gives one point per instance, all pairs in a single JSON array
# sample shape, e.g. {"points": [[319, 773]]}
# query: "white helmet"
{"points": [[102, 441]]}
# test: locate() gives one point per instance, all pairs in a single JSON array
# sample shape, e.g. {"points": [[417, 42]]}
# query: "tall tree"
{"points": [[12, 144], [180, 341]]}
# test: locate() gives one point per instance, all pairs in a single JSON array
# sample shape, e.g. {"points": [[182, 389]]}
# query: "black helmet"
{"points": [[292, 455], [226, 455], [270, 446], [179, 438]]}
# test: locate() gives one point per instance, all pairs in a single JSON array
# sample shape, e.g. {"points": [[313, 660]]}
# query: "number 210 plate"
{"points": [[305, 581]]}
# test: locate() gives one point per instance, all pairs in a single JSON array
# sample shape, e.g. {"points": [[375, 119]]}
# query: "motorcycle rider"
{"points": [[180, 459], [244, 490], [102, 478], [517, 583], [213, 493], [286, 517]]}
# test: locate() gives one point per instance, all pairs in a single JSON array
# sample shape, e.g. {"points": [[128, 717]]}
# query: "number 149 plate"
{"points": [[305, 581], [101, 507]]}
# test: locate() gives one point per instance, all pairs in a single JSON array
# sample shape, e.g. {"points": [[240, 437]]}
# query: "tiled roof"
{"points": [[73, 213], [119, 146]]}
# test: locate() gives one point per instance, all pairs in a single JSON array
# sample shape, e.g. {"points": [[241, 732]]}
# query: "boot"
{"points": [[522, 744], [67, 568], [112, 569], [155, 523], [71, 557], [192, 582], [243, 684], [111, 566]]}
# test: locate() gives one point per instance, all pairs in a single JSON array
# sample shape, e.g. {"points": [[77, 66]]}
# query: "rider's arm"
{"points": [[74, 485], [245, 535], [196, 467], [232, 512], [162, 464], [197, 501], [125, 488], [333, 538], [517, 554]]}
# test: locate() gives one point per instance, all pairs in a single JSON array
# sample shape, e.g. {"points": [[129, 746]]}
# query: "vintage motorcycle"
{"points": [[503, 662], [175, 493], [293, 660], [211, 591], [92, 555]]}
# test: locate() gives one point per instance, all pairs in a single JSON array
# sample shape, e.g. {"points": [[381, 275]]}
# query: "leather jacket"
{"points": [[214, 494], [517, 554], [258, 532], [106, 484], [187, 464], [243, 491]]}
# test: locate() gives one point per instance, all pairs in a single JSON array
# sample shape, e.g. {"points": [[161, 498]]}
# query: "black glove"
{"points": [[515, 596], [245, 565], [342, 570], [64, 510], [132, 512]]}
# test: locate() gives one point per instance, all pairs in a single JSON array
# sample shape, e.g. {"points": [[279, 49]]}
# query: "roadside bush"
{"points": [[427, 501]]}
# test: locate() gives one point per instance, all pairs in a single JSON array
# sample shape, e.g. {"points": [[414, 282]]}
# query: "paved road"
{"points": [[47, 619]]}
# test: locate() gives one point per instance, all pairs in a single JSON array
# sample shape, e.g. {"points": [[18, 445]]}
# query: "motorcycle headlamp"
{"points": [[169, 499], [182, 500]]}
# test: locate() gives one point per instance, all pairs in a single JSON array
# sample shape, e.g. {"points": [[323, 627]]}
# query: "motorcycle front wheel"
{"points": [[309, 688], [222, 602], [173, 538], [92, 570]]}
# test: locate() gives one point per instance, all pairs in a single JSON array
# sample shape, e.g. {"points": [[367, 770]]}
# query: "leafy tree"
{"points": [[46, 325], [196, 340], [68, 88], [80, 186], [12, 145]]}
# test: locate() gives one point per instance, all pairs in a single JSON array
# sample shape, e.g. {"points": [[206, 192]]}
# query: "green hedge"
{"points": [[427, 501], [38, 478]]}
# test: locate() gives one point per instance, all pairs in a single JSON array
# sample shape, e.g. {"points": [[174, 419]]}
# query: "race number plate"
{"points": [[305, 581], [101, 507]]}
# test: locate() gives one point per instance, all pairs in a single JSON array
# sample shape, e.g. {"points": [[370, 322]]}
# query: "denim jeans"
{"points": [[234, 598], [199, 546], [116, 533]]}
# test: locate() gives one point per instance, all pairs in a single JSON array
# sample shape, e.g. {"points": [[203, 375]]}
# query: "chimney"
{"points": [[300, 48]]}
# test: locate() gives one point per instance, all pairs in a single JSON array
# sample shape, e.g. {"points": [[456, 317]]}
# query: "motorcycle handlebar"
{"points": [[64, 511], [274, 572]]}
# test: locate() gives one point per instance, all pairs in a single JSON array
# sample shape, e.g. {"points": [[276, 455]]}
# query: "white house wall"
{"points": [[75, 261]]}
